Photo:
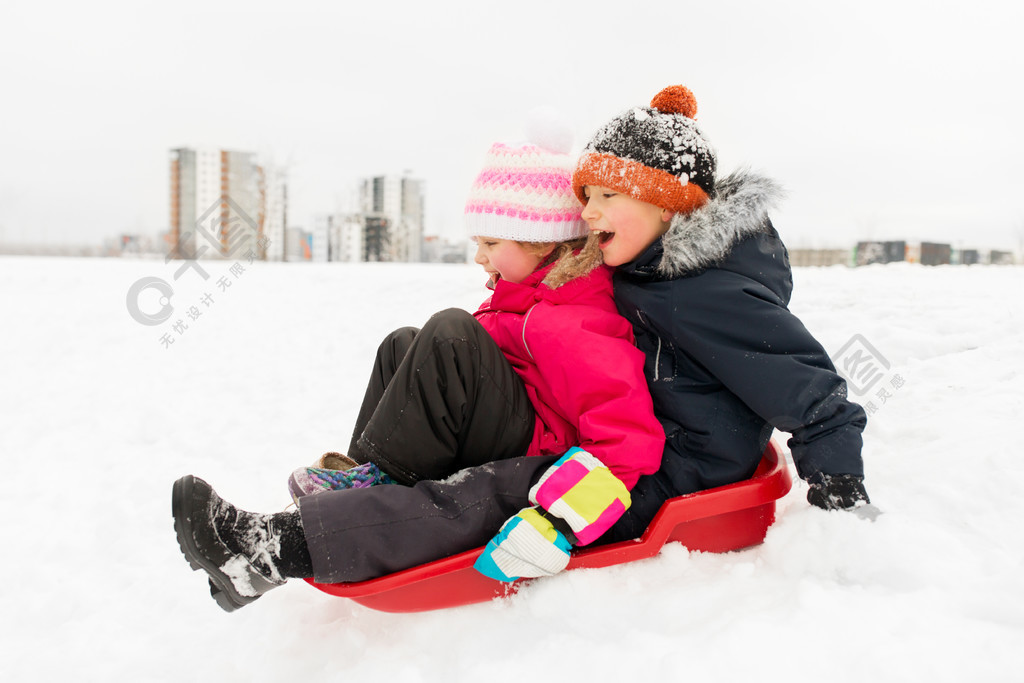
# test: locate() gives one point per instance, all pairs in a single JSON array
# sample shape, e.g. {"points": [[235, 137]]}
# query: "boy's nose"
{"points": [[589, 213]]}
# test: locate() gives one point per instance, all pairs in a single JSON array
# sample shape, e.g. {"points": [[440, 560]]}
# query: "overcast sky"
{"points": [[884, 120]]}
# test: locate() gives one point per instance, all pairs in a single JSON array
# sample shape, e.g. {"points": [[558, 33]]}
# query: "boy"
{"points": [[705, 280]]}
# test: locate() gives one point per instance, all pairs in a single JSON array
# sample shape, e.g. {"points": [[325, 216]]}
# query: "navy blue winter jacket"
{"points": [[726, 359]]}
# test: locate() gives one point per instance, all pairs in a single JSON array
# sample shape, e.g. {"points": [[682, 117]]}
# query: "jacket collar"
{"points": [[703, 238], [519, 297]]}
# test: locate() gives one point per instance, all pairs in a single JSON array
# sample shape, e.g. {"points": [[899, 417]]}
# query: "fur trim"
{"points": [[704, 237]]}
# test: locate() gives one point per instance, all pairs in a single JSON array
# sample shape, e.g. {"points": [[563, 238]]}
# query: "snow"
{"points": [[99, 418], [236, 569]]}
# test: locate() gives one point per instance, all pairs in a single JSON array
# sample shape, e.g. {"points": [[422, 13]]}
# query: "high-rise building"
{"points": [[323, 226], [347, 238], [338, 237], [275, 221], [223, 205], [393, 210], [298, 244], [376, 242]]}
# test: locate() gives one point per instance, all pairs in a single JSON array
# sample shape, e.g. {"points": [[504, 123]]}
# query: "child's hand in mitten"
{"points": [[580, 489], [527, 546], [837, 491]]}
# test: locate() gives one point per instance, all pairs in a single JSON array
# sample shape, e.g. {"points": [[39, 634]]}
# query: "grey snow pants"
{"points": [[446, 415]]}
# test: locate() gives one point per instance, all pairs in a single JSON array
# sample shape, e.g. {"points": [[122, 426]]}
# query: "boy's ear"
{"points": [[667, 215]]}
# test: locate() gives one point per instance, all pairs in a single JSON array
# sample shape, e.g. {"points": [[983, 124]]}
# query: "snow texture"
{"points": [[99, 418], [237, 569], [655, 139]]}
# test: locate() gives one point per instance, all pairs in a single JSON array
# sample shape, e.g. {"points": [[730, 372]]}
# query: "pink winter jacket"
{"points": [[583, 374]]}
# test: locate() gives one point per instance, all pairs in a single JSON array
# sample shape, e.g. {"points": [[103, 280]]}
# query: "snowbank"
{"points": [[99, 416]]}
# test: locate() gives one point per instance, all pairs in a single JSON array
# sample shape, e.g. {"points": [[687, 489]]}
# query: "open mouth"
{"points": [[603, 238]]}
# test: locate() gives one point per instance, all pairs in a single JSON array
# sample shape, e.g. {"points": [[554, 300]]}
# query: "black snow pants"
{"points": [[446, 415]]}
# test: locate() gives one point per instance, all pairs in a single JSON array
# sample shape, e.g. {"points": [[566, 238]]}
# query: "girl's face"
{"points": [[626, 226], [506, 259]]}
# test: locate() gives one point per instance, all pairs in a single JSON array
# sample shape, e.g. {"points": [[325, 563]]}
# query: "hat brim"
{"points": [[644, 183]]}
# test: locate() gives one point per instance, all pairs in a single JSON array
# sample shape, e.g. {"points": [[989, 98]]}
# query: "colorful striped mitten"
{"points": [[527, 546], [582, 491]]}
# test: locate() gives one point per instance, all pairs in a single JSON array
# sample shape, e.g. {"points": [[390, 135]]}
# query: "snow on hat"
{"points": [[655, 154], [524, 191]]}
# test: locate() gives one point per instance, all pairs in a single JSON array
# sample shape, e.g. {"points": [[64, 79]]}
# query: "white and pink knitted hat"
{"points": [[524, 192]]}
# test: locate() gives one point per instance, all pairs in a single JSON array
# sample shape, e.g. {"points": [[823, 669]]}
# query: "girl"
{"points": [[705, 280], [545, 364]]}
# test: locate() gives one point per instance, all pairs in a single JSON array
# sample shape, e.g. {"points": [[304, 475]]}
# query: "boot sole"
{"points": [[222, 590]]}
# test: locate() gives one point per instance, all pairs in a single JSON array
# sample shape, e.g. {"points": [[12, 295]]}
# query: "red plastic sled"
{"points": [[717, 520]]}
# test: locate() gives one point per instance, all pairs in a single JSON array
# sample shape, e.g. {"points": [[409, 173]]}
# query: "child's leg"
{"points": [[389, 356], [346, 535], [244, 554], [452, 401], [366, 533]]}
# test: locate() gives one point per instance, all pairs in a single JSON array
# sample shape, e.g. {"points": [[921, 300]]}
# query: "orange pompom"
{"points": [[676, 99]]}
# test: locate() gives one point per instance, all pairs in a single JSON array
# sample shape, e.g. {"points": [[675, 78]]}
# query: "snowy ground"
{"points": [[99, 417]]}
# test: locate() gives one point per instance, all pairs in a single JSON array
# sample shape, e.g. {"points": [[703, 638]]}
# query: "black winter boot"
{"points": [[245, 554]]}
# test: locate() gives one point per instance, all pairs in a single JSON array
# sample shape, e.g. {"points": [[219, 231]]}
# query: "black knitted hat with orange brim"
{"points": [[656, 154]]}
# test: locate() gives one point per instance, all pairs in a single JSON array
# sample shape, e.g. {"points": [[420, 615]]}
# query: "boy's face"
{"points": [[626, 226], [505, 259]]}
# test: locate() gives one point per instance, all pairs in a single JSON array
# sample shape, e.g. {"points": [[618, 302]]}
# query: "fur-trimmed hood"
{"points": [[704, 237]]}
